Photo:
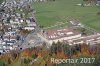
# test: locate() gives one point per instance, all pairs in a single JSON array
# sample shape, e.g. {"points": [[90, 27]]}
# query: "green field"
{"points": [[51, 13]]}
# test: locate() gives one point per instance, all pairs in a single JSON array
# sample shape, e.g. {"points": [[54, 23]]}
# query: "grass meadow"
{"points": [[50, 13]]}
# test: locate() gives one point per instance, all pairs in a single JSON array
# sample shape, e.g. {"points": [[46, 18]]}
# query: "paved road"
{"points": [[31, 40]]}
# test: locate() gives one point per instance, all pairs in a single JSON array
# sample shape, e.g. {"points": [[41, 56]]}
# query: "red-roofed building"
{"points": [[62, 34], [92, 39]]}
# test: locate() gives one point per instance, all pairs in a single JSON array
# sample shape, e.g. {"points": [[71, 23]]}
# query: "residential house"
{"points": [[29, 28]]}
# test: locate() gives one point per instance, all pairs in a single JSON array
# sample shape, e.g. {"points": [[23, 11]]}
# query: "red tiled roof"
{"points": [[56, 34], [92, 38]]}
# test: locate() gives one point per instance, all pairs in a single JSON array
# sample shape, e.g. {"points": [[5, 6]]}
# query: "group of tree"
{"points": [[43, 54], [8, 58], [58, 50]]}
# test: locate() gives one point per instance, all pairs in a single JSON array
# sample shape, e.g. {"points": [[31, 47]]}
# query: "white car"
{"points": [[10, 43], [1, 51], [3, 43]]}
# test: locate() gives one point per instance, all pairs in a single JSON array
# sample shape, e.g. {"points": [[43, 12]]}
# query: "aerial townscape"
{"points": [[49, 32]]}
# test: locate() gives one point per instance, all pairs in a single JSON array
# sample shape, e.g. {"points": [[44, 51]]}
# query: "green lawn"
{"points": [[49, 13]]}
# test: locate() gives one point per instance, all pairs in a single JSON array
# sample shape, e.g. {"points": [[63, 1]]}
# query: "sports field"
{"points": [[51, 13]]}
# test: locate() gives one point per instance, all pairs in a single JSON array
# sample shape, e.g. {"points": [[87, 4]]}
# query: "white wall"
{"points": [[64, 38]]}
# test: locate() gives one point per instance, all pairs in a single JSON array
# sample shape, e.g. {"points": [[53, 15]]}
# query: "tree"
{"points": [[34, 56], [83, 30], [97, 62], [2, 63], [90, 1], [53, 48], [27, 61], [9, 61], [1, 1]]}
